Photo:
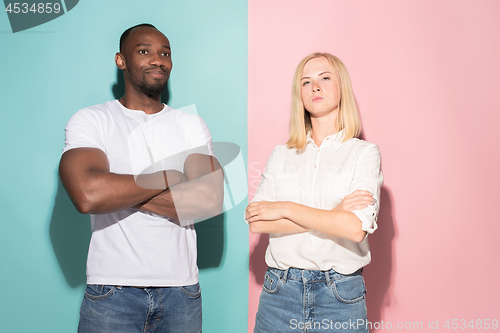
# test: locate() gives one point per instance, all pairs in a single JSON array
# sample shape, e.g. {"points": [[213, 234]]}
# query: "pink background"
{"points": [[426, 76]]}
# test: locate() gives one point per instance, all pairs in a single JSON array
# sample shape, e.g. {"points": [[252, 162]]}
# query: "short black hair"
{"points": [[127, 32]]}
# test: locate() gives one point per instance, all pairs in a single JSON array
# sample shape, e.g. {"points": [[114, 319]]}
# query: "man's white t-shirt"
{"points": [[130, 247]]}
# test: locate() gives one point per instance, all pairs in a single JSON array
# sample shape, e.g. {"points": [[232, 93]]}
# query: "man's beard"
{"points": [[152, 90]]}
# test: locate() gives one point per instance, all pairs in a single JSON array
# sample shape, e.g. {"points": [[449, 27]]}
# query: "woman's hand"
{"points": [[358, 199], [265, 211]]}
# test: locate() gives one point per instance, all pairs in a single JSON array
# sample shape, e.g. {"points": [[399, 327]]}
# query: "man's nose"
{"points": [[157, 60]]}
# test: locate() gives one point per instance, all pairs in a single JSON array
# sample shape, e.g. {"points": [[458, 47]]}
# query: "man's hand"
{"points": [[201, 196]]}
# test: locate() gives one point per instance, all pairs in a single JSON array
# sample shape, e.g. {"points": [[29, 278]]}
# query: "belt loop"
{"points": [[285, 274], [327, 275]]}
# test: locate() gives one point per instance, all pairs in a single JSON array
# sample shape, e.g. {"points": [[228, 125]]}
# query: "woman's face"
{"points": [[320, 90]]}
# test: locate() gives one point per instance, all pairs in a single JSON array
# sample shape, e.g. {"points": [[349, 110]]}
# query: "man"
{"points": [[143, 171]]}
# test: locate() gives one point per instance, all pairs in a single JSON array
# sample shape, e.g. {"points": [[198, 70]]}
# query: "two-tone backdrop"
{"points": [[426, 79]]}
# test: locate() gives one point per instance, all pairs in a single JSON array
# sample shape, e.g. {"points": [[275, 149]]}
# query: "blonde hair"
{"points": [[348, 116]]}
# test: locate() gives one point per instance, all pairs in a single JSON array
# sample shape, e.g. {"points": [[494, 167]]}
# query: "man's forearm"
{"points": [[86, 176], [199, 198], [107, 192]]}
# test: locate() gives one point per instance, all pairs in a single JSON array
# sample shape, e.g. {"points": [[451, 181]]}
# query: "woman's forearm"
{"points": [[342, 224], [337, 222], [281, 226]]}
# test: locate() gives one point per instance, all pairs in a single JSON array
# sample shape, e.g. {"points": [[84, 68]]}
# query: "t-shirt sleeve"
{"points": [[368, 176], [200, 137], [83, 131]]}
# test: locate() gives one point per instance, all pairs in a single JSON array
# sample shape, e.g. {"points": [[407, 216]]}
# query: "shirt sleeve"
{"points": [[83, 131], [266, 188], [368, 176]]}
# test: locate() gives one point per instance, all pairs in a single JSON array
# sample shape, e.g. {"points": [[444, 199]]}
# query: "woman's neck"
{"points": [[323, 127]]}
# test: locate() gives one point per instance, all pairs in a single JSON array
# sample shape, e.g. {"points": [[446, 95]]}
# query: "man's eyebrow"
{"points": [[144, 44]]}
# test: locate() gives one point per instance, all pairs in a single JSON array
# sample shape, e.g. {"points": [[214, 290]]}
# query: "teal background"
{"points": [[47, 74]]}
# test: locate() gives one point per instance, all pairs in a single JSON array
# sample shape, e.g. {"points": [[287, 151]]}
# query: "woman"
{"points": [[318, 200]]}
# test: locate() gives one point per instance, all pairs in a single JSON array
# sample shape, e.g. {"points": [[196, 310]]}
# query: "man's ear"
{"points": [[120, 60]]}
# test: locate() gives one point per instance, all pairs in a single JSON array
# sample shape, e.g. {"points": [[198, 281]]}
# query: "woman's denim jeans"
{"points": [[296, 300], [115, 309]]}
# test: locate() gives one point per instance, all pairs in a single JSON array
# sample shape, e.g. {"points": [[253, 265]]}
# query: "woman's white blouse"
{"points": [[321, 177]]}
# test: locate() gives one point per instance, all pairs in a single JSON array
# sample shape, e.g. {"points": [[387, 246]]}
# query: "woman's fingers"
{"points": [[253, 210], [360, 194], [358, 199], [264, 211], [250, 212], [359, 203]]}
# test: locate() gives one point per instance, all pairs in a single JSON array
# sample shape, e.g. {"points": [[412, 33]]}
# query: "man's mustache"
{"points": [[155, 68]]}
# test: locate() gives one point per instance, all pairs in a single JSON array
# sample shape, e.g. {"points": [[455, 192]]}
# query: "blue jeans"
{"points": [[116, 309], [296, 300]]}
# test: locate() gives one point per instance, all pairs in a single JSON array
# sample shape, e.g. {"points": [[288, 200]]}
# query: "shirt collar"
{"points": [[335, 139]]}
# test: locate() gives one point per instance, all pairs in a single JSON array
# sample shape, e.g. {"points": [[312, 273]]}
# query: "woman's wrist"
{"points": [[287, 208]]}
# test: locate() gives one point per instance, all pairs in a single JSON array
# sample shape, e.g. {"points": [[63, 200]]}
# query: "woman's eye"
{"points": [[326, 78], [305, 82]]}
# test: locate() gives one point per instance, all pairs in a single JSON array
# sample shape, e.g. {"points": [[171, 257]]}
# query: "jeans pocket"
{"points": [[97, 291], [272, 283], [349, 289], [193, 291]]}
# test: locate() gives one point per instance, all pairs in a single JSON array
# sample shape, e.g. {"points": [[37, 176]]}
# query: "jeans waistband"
{"points": [[307, 276]]}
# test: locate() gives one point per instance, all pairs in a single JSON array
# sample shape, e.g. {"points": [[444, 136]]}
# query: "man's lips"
{"points": [[157, 73]]}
